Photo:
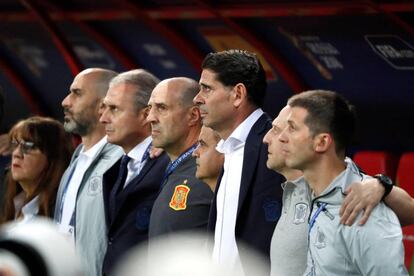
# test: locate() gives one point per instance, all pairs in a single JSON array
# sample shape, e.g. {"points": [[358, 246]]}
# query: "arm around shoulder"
{"points": [[402, 204]]}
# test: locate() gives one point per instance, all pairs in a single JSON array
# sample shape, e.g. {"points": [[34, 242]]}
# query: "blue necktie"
{"points": [[119, 184]]}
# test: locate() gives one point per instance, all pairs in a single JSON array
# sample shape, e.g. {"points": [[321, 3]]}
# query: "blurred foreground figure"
{"points": [[181, 255], [36, 248]]}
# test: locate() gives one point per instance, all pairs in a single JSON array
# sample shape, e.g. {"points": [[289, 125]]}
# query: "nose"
{"points": [[151, 115], [66, 101], [196, 152], [17, 152], [283, 135], [198, 99], [266, 138], [101, 108], [104, 119]]}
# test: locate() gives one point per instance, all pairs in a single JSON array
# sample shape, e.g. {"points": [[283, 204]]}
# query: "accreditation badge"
{"points": [[179, 199]]}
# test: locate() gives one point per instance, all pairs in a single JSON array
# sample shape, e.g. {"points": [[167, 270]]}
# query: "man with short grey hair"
{"points": [[131, 185]]}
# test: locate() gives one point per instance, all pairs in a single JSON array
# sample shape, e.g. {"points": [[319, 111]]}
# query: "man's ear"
{"points": [[101, 107], [145, 112], [194, 115], [322, 142], [239, 94]]}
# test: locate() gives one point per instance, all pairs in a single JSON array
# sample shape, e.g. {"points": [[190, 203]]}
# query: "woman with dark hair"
{"points": [[41, 151]]}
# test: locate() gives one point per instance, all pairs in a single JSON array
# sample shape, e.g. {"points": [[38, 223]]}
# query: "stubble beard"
{"points": [[81, 128]]}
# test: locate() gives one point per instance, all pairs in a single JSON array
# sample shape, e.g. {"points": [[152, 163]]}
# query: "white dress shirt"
{"points": [[136, 163], [84, 160], [225, 249], [29, 210]]}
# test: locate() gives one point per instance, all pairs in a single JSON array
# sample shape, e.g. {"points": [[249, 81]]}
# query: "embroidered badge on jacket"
{"points": [[179, 199], [95, 186], [300, 213], [320, 241]]}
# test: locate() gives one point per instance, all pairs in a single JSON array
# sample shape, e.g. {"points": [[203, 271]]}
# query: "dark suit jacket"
{"points": [[260, 197], [134, 204]]}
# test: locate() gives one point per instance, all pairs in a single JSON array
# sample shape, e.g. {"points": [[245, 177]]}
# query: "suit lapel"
{"points": [[251, 154], [73, 162], [99, 155], [108, 182], [130, 189], [134, 182], [64, 183]]}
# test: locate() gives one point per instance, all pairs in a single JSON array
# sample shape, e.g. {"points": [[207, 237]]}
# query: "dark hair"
{"points": [[51, 139], [239, 66], [328, 112]]}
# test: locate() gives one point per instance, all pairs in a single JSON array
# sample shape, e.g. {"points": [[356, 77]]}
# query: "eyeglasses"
{"points": [[25, 146]]}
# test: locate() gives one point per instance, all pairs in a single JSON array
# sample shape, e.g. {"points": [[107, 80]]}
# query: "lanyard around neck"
{"points": [[173, 165], [313, 219]]}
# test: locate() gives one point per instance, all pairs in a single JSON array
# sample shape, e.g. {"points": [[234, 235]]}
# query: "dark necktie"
{"points": [[119, 184]]}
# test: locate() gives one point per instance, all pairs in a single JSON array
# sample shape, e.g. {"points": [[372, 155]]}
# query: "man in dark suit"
{"points": [[131, 185], [248, 196]]}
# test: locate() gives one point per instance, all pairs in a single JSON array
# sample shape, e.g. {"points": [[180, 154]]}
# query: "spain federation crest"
{"points": [[179, 199], [300, 213]]}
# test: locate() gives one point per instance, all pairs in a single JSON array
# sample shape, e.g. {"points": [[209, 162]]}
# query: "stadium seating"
{"points": [[375, 162], [405, 179]]}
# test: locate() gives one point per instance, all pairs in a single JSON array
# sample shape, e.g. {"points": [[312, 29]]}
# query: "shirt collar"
{"points": [[345, 178], [31, 208], [138, 151], [297, 182], [93, 151], [239, 136]]}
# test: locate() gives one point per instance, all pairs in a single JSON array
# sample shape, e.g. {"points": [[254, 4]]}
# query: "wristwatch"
{"points": [[386, 182]]}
